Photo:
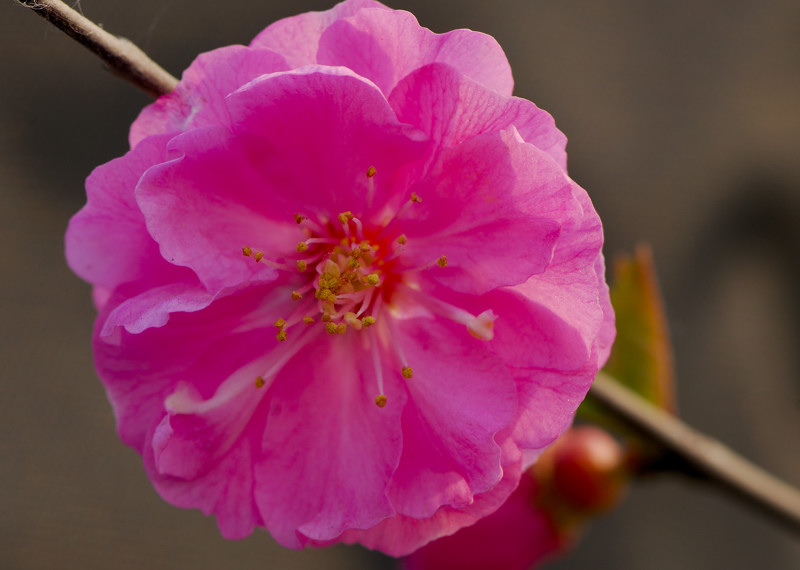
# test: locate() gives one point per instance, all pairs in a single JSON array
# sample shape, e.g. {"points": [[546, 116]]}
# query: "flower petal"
{"points": [[328, 450], [386, 45], [107, 242], [489, 207], [315, 132], [460, 396], [197, 101], [451, 107], [297, 38]]}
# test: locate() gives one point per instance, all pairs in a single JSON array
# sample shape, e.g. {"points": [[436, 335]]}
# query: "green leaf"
{"points": [[642, 355]]}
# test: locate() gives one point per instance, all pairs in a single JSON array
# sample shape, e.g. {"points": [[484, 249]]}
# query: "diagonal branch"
{"points": [[702, 454], [123, 57]]}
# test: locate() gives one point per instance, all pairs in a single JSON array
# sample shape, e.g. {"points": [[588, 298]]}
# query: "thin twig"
{"points": [[709, 457], [123, 57]]}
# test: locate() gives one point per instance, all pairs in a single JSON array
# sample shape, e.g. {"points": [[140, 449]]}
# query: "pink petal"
{"points": [[107, 242], [460, 396], [385, 46], [314, 133], [297, 38], [401, 535], [451, 107], [489, 207], [197, 101], [205, 206], [328, 450]]}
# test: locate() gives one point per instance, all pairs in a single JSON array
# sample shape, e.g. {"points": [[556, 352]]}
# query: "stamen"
{"points": [[373, 278], [345, 217], [415, 198], [308, 320], [407, 372], [296, 295], [258, 256], [246, 251], [281, 336], [301, 265], [371, 171], [259, 382], [299, 219], [280, 323], [402, 239], [442, 261], [380, 401], [368, 321], [302, 246]]}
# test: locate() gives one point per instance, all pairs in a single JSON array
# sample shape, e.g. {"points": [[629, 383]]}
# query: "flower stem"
{"points": [[123, 57], [700, 453]]}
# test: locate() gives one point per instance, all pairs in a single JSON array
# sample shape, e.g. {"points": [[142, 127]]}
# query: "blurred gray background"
{"points": [[684, 127]]}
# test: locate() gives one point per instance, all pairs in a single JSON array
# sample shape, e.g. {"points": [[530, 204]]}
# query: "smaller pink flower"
{"points": [[347, 291]]}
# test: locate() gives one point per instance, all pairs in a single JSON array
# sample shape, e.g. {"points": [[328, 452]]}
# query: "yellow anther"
{"points": [[407, 372], [330, 327], [380, 401], [345, 217], [353, 263], [296, 296], [373, 278], [246, 251], [326, 318], [299, 219], [368, 321], [415, 198], [402, 239], [302, 246], [258, 256], [365, 247], [281, 336], [280, 323], [442, 261], [259, 382], [341, 328], [301, 265], [371, 171], [308, 320]]}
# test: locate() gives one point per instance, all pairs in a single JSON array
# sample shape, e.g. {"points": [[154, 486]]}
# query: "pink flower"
{"points": [[347, 291]]}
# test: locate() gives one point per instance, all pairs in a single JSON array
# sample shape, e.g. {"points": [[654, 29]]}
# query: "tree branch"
{"points": [[709, 457], [123, 57]]}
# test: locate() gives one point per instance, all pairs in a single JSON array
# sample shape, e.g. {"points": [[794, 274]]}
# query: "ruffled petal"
{"points": [[386, 45], [460, 396], [328, 450], [401, 535], [451, 107], [297, 38], [205, 206], [315, 132], [197, 101], [491, 206], [107, 242]]}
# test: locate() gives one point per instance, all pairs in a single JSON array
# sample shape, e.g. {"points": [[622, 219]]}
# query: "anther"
{"points": [[330, 327], [345, 217], [373, 278], [402, 239], [246, 251], [299, 219], [302, 246], [442, 261], [365, 247], [296, 296], [308, 320], [407, 372], [415, 198], [301, 265], [371, 171], [259, 382], [281, 336], [280, 323], [258, 256], [380, 401], [368, 321], [341, 328]]}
